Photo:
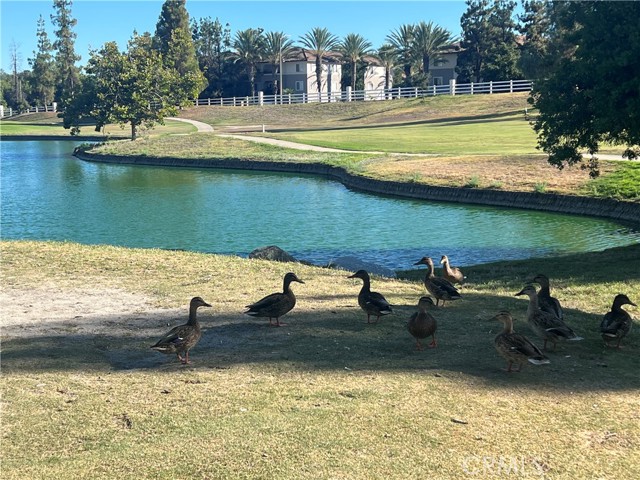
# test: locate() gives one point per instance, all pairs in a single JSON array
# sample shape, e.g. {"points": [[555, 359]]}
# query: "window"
{"points": [[298, 70], [299, 86], [437, 80]]}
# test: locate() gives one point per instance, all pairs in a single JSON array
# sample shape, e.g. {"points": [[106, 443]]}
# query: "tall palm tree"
{"points": [[248, 48], [319, 42], [353, 48], [388, 58], [429, 41], [277, 48], [402, 40]]}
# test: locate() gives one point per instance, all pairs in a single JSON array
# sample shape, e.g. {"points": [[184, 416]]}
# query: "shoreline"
{"points": [[627, 212]]}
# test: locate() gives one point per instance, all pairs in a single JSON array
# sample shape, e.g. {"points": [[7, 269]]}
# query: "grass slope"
{"points": [[328, 396]]}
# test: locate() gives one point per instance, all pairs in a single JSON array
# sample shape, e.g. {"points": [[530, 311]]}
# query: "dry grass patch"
{"points": [[513, 173], [328, 396]]}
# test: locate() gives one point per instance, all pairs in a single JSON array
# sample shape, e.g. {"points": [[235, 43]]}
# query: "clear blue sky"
{"points": [[102, 21]]}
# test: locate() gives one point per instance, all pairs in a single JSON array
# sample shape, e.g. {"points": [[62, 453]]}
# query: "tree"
{"points": [[353, 48], [42, 68], [133, 87], [174, 42], [319, 42], [429, 40], [68, 75], [387, 57], [402, 40], [591, 95], [535, 26], [212, 43], [490, 51], [276, 48], [16, 98], [249, 47]]}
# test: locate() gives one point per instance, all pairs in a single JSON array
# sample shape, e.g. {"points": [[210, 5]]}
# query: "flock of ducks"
{"points": [[544, 315]]}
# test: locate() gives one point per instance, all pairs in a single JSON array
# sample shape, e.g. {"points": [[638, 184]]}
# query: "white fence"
{"points": [[507, 86], [10, 112]]}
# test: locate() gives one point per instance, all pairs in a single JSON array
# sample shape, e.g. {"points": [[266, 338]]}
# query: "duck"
{"points": [[440, 288], [516, 348], [277, 304], [545, 300], [373, 303], [617, 322], [452, 274], [182, 338], [422, 324], [545, 324]]}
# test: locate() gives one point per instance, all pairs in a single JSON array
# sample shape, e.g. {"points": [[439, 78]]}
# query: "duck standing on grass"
{"points": [[452, 274], [440, 288], [616, 323], [373, 303], [422, 324], [181, 339], [516, 348], [546, 325], [545, 300], [277, 304]]}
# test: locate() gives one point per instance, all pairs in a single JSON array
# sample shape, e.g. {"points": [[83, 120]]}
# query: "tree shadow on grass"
{"points": [[338, 339]]}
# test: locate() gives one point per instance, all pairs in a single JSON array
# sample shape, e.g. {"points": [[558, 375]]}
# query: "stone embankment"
{"points": [[608, 208]]}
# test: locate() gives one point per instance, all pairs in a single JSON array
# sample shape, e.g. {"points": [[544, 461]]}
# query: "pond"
{"points": [[47, 194]]}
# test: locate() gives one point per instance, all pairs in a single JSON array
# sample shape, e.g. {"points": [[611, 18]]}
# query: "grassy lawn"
{"points": [[512, 133], [48, 124], [327, 396]]}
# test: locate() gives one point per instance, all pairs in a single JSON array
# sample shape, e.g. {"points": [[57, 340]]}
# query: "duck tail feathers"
{"points": [[539, 361]]}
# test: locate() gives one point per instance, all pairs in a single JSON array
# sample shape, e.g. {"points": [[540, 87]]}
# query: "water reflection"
{"points": [[47, 194]]}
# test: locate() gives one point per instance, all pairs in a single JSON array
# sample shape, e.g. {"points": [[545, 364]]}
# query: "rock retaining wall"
{"points": [[617, 210]]}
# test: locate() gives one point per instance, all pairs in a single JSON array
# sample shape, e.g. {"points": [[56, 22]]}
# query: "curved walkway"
{"points": [[201, 126]]}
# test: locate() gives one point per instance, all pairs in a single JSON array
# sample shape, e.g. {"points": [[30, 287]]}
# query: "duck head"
{"points": [[425, 302], [198, 302], [444, 260], [529, 290], [362, 274], [622, 299], [540, 279], [424, 261], [291, 277]]}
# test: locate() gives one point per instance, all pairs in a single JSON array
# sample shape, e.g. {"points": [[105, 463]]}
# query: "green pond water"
{"points": [[47, 194]]}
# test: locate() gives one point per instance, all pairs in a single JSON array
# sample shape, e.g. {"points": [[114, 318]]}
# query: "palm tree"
{"points": [[249, 50], [353, 48], [387, 57], [429, 41], [319, 42], [277, 48], [401, 40]]}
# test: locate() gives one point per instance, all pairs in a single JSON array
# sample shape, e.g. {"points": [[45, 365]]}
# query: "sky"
{"points": [[102, 21]]}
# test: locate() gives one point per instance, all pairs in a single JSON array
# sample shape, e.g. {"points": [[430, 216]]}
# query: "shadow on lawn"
{"points": [[337, 339]]}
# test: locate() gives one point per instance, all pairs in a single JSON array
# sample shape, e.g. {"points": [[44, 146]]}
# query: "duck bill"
{"points": [[419, 262], [521, 292]]}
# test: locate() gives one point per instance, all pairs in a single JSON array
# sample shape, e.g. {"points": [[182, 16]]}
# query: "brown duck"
{"points": [[516, 348], [453, 274], [616, 324], [546, 325], [422, 324], [545, 300], [277, 304], [181, 339], [373, 303], [440, 288]]}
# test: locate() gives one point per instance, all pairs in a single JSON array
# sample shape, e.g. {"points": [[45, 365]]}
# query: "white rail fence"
{"points": [[6, 112], [507, 86]]}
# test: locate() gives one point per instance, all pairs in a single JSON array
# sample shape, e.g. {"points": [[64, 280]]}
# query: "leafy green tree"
{"points": [[174, 41], [248, 50], [212, 42], [42, 67], [490, 51], [276, 48], [429, 40], [133, 87], [591, 95], [319, 42], [68, 75], [353, 48], [401, 39], [535, 28]]}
